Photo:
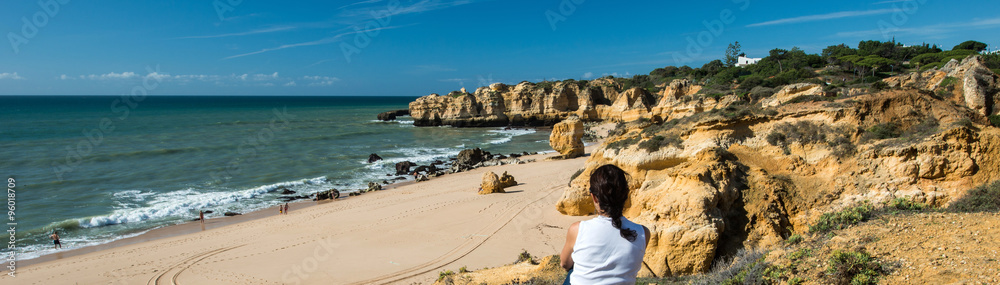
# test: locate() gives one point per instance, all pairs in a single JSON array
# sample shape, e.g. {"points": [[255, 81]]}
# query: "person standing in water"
{"points": [[55, 240], [607, 249], [201, 216]]}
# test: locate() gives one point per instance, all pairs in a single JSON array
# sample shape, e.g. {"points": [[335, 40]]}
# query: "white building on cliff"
{"points": [[744, 61]]}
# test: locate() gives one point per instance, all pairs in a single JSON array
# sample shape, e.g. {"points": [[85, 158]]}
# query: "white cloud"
{"points": [[111, 76], [927, 31], [588, 75], [830, 16], [320, 80], [265, 77], [252, 32], [290, 84], [312, 43], [13, 76]]}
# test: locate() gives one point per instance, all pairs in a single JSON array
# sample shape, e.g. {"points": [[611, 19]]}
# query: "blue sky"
{"points": [[418, 47]]}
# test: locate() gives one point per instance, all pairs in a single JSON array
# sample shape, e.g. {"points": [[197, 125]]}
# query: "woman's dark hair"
{"points": [[609, 185]]}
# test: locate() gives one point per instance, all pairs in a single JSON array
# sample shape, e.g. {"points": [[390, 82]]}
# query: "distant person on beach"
{"points": [[607, 249], [286, 208], [55, 240], [201, 216]]}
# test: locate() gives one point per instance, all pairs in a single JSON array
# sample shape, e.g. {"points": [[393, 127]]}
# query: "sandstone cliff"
{"points": [[529, 104], [713, 175]]}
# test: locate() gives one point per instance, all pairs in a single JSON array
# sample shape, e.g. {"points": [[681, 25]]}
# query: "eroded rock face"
{"points": [[567, 138], [724, 186], [790, 92], [979, 86], [526, 104], [491, 184]]}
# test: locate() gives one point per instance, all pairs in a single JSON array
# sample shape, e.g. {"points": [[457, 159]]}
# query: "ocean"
{"points": [[102, 168]]}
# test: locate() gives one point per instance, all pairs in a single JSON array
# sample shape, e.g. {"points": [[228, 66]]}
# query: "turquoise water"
{"points": [[98, 168]]}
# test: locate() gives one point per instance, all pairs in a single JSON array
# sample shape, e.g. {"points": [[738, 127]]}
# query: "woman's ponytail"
{"points": [[609, 185]]}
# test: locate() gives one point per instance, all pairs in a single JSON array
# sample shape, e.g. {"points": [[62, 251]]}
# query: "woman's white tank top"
{"points": [[602, 256]]}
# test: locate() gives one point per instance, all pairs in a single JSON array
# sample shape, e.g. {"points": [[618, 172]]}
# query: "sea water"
{"points": [[102, 168]]}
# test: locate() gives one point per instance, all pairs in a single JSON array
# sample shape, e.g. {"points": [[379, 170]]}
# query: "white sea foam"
{"points": [[183, 203], [508, 135]]}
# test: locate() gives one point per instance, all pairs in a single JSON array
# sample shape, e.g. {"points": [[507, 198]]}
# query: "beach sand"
{"points": [[404, 235]]}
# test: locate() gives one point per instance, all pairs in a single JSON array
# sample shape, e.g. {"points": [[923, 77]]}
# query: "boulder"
{"points": [[491, 184], [326, 195], [506, 180], [403, 168], [467, 159], [230, 214], [426, 168], [373, 158], [391, 115], [286, 191], [372, 186], [567, 138]]}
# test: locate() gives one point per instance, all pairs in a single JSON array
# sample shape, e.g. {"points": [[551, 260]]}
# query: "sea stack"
{"points": [[567, 137]]}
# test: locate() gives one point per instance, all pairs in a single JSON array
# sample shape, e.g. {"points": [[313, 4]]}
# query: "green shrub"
{"points": [[883, 131], [906, 205], [746, 267], [800, 254], [810, 98], [623, 143], [853, 267], [464, 269], [985, 198], [524, 256], [794, 239], [445, 275], [995, 120], [842, 219], [948, 81], [841, 146], [879, 86]]}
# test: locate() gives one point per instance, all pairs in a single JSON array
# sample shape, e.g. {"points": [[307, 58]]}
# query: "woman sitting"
{"points": [[607, 249]]}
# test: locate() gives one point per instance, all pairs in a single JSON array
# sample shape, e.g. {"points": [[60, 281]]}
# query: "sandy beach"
{"points": [[403, 235]]}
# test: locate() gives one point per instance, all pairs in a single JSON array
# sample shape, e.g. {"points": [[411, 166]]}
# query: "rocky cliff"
{"points": [[712, 175], [529, 104]]}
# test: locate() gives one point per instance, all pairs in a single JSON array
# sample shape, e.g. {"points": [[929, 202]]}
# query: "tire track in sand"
{"points": [[458, 252], [184, 264]]}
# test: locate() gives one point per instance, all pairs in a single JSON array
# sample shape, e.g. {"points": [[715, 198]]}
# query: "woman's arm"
{"points": [[566, 257]]}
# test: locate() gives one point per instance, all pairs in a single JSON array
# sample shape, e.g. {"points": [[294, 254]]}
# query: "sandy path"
{"points": [[405, 235]]}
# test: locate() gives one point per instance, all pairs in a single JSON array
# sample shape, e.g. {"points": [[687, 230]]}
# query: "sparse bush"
{"points": [[794, 239], [445, 275], [760, 92], [985, 198], [879, 86], [883, 131], [800, 254], [853, 267], [842, 219], [995, 120], [623, 143], [655, 143], [525, 256], [810, 98], [841, 146], [904, 204], [746, 267], [948, 81]]}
